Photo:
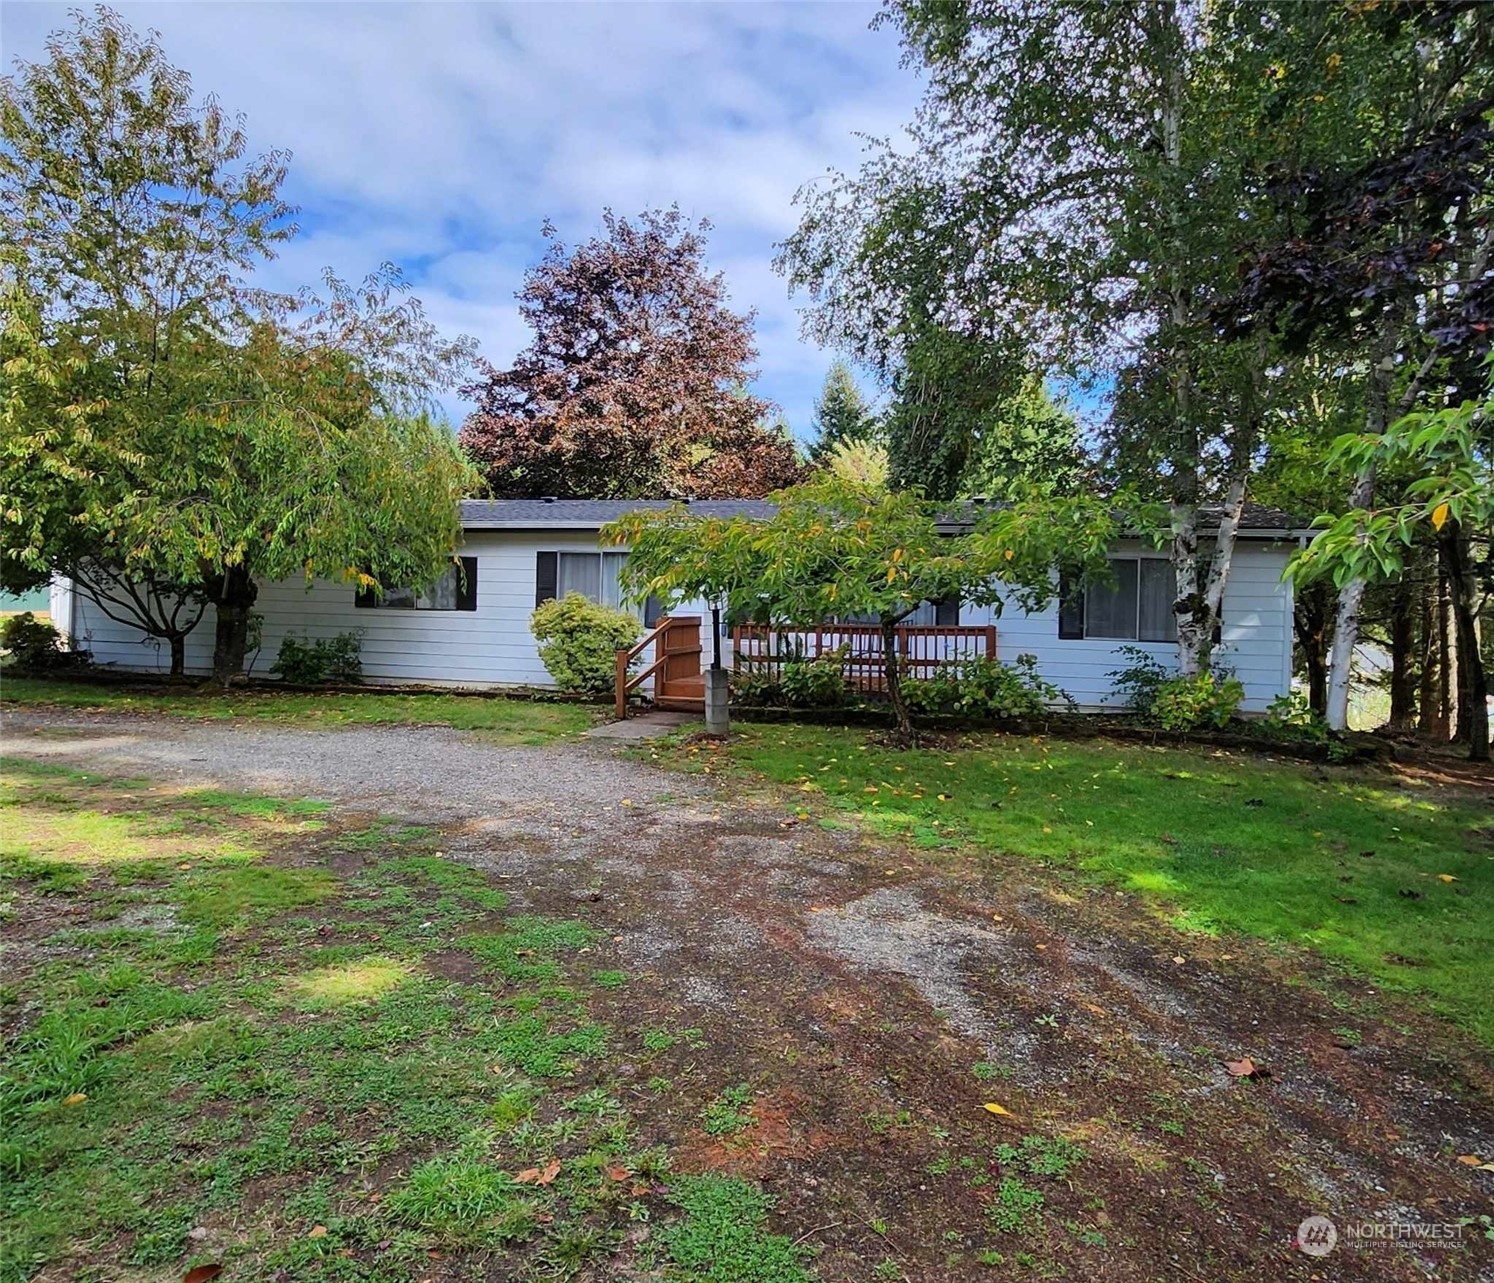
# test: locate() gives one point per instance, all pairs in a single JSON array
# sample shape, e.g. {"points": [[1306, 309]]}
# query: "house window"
{"points": [[595, 575], [1135, 606], [454, 590]]}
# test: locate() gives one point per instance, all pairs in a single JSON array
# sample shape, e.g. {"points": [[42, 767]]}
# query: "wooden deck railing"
{"points": [[764, 649]]}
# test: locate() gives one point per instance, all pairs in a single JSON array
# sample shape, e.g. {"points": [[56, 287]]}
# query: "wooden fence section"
{"points": [[763, 649]]}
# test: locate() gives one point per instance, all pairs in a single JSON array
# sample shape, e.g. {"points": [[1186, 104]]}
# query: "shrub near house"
{"points": [[579, 640]]}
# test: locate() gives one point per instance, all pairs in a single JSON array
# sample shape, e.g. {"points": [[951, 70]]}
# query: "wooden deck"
{"points": [[923, 649]]}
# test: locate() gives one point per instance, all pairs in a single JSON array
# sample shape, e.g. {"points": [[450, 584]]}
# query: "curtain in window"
{"points": [[612, 564], [1110, 609], [579, 572], [1158, 590]]}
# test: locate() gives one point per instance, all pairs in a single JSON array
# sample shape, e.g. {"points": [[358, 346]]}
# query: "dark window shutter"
{"points": [[467, 584], [366, 597], [653, 611], [947, 612], [1070, 606], [546, 575]]}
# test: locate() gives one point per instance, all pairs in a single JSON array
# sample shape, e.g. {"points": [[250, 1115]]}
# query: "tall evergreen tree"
{"points": [[841, 415]]}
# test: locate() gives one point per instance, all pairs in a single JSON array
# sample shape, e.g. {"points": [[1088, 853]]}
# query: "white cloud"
{"points": [[438, 136]]}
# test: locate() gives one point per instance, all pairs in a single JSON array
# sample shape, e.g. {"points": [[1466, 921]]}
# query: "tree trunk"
{"points": [[1187, 606], [892, 669], [1447, 723], [1361, 495], [1430, 695], [1473, 679], [1310, 622], [1402, 667], [178, 654], [233, 594], [1341, 653]]}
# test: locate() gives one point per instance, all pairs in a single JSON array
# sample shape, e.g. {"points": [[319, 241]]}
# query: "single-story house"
{"points": [[472, 630]]}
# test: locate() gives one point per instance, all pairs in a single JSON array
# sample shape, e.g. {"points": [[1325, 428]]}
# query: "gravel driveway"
{"points": [[872, 983], [416, 772]]}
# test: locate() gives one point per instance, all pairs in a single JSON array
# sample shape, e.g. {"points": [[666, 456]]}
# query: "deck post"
{"points": [[717, 697], [624, 656]]}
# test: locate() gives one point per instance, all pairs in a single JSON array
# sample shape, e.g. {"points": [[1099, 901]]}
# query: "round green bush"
{"points": [[579, 641]]}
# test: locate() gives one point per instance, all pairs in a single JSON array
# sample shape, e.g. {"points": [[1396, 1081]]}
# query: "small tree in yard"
{"points": [[832, 549]]}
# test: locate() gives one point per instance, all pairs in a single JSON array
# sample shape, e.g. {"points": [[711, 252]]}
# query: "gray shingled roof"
{"points": [[590, 514]]}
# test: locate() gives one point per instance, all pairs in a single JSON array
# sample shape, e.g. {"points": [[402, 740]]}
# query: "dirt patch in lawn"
{"points": [[832, 1016]]}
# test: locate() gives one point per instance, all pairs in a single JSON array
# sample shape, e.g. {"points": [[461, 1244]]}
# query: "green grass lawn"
{"points": [[217, 1050], [1395, 881], [506, 720]]}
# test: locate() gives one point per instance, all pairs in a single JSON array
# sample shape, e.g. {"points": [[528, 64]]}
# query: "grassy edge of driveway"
{"points": [[506, 719]]}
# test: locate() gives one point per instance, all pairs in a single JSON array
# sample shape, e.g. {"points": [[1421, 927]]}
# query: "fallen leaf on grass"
{"points": [[1446, 877], [1473, 1160], [202, 1273], [618, 1173], [992, 1107], [539, 1175], [1245, 1067], [318, 1231], [77, 1098], [1179, 959]]}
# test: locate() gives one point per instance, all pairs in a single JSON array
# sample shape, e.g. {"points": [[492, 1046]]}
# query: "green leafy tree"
{"points": [[863, 463], [1451, 453], [171, 433], [1383, 254], [947, 390], [841, 414], [1067, 205], [834, 549]]}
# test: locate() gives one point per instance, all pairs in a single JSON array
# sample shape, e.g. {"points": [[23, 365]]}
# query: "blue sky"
{"points": [[440, 136]]}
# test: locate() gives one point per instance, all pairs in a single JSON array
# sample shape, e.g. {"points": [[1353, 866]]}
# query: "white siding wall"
{"points": [[493, 645], [1256, 638]]}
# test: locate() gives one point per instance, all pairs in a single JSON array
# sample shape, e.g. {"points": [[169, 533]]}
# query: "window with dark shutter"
{"points": [[947, 612], [455, 589], [546, 573], [466, 594], [1070, 606]]}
